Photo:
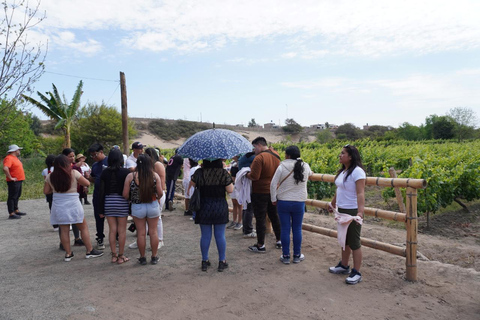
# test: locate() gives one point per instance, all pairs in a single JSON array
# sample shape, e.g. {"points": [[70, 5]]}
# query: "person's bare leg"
{"points": [[141, 234], [112, 233], [65, 238], [357, 259], [85, 235], [152, 227], [122, 233], [346, 255]]}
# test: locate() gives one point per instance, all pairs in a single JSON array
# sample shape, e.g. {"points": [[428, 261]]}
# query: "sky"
{"points": [[340, 61]]}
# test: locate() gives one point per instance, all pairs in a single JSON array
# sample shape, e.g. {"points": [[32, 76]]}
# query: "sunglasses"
{"points": [[94, 155]]}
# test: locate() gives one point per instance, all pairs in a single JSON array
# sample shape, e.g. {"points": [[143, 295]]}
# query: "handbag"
{"points": [[194, 204], [195, 200]]}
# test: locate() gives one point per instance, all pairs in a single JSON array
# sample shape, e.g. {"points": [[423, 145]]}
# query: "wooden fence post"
{"points": [[412, 230], [398, 193]]}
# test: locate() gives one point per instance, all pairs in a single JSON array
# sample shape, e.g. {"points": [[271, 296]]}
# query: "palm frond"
{"points": [[46, 110], [75, 104]]}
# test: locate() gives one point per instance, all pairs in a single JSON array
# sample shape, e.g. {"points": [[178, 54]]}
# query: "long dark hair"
{"points": [[49, 161], [294, 153], [145, 178], [356, 161], [115, 160], [153, 154], [207, 164], [61, 177]]}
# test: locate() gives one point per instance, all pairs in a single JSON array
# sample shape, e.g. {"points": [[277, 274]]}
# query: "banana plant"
{"points": [[58, 109]]}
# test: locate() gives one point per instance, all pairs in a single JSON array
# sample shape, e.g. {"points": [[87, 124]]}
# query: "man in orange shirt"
{"points": [[13, 169], [263, 168]]}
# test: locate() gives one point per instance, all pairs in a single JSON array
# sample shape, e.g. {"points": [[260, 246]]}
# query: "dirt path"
{"points": [[35, 282]]}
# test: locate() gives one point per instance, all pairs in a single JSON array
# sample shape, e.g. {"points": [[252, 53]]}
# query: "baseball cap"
{"points": [[137, 145]]}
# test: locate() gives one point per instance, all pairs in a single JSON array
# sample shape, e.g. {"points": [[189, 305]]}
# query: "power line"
{"points": [[72, 76], [113, 93]]}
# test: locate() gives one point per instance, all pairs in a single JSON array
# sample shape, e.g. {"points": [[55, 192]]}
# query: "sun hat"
{"points": [[80, 156], [13, 148]]}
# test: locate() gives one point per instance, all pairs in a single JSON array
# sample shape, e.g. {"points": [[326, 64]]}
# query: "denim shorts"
{"points": [[146, 210]]}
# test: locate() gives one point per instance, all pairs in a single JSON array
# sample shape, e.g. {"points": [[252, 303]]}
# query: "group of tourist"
{"points": [[260, 183]]}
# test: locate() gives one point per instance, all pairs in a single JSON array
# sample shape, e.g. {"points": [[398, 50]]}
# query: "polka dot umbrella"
{"points": [[214, 144]]}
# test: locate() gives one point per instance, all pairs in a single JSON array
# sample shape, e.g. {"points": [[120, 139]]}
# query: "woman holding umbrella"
{"points": [[213, 181]]}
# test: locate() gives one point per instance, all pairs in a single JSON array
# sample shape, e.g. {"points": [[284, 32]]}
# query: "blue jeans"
{"points": [[291, 217], [219, 231]]}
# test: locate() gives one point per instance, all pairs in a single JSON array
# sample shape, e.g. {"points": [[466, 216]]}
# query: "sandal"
{"points": [[114, 257], [122, 259]]}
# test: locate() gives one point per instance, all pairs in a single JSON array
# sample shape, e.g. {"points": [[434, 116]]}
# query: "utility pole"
{"points": [[123, 92]]}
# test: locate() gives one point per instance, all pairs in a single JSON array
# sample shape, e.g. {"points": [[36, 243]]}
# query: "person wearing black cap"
{"points": [[13, 169], [137, 149]]}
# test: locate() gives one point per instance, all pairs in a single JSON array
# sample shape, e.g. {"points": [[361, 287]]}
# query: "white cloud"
{"points": [[369, 27], [68, 40]]}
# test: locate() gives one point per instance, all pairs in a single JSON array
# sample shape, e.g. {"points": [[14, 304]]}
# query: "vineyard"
{"points": [[452, 170]]}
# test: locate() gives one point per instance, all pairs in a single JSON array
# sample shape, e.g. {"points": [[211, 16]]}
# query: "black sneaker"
{"points": [[222, 265], [339, 269], [278, 245], [78, 243], [187, 213], [87, 203], [257, 249], [69, 257], [142, 261], [205, 265], [20, 213], [154, 260], [13, 216], [93, 254]]}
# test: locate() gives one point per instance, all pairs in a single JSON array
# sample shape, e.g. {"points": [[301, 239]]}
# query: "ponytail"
{"points": [[298, 168]]}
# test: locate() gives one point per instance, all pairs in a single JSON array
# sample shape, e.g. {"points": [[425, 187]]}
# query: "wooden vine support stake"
{"points": [[412, 230], [398, 193]]}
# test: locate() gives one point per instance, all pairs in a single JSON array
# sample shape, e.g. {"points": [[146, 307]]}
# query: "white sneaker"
{"points": [[253, 234], [133, 245], [55, 229], [339, 269], [298, 259], [231, 225], [160, 244], [354, 277], [238, 226], [70, 227]]}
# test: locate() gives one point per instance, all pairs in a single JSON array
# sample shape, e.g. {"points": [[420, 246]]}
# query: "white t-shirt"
{"points": [[131, 162], [346, 190], [85, 168], [45, 172]]}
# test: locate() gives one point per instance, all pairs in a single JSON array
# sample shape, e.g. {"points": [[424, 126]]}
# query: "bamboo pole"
{"points": [[398, 193], [412, 230], [365, 241], [377, 181], [377, 213]]}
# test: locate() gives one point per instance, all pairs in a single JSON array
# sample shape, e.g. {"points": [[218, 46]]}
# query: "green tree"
{"points": [[465, 119], [348, 131], [59, 110], [443, 128], [22, 62], [291, 126], [98, 123], [35, 125], [17, 131], [252, 123], [324, 136], [407, 131]]}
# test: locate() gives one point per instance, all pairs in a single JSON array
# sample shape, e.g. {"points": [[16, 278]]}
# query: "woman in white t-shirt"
{"points": [[350, 199]]}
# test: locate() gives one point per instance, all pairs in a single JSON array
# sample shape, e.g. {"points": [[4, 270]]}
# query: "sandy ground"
{"points": [[151, 140], [35, 282]]}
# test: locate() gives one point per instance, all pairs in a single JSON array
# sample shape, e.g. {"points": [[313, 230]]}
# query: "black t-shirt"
{"points": [[112, 181], [172, 172]]}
